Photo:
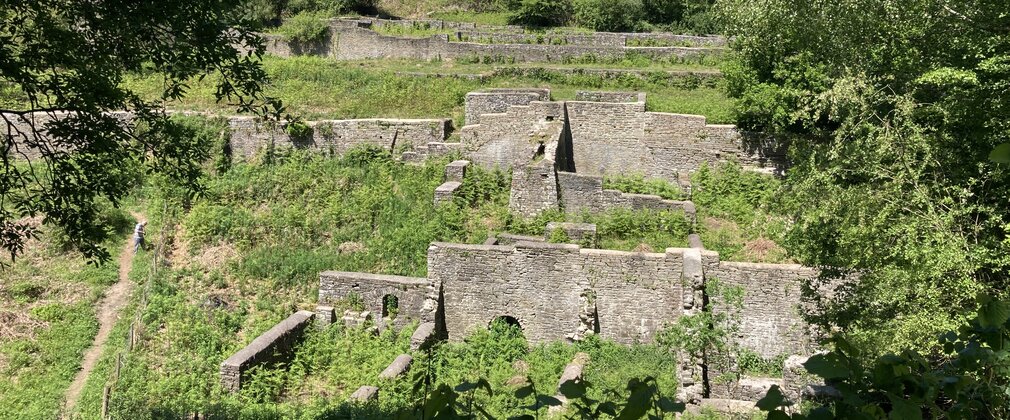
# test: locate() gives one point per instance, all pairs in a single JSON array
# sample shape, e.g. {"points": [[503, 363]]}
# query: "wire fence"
{"points": [[136, 325]]}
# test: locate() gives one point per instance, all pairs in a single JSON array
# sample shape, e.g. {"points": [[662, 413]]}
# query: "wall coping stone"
{"points": [[265, 340], [410, 281]]}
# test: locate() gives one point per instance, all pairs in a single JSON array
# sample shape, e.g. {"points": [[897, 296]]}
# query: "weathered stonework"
{"points": [[456, 170], [416, 298], [497, 101], [519, 136], [250, 136], [365, 394], [399, 367], [353, 40], [262, 350], [585, 193], [534, 189], [445, 192], [578, 233]]}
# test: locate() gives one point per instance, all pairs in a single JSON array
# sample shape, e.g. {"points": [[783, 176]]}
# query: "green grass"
{"points": [[484, 19], [318, 88]]}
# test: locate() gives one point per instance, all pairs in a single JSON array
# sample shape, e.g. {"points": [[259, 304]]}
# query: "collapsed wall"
{"points": [[415, 299]]}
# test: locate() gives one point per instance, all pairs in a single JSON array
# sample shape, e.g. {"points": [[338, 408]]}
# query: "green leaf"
{"points": [[902, 409], [608, 408], [992, 312], [772, 400], [1001, 154], [827, 366]]}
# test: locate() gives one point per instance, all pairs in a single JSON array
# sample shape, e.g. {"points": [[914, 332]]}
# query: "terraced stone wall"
{"points": [[249, 136], [416, 299]]}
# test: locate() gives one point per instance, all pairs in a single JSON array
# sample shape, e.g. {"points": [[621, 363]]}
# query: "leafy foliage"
{"points": [[891, 117], [969, 381], [541, 13], [66, 60]]}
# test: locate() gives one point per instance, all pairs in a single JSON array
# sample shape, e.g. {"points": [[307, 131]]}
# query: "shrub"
{"points": [[609, 15], [540, 13], [304, 27]]}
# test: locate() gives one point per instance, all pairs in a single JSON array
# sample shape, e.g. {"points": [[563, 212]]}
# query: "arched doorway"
{"points": [[390, 306]]}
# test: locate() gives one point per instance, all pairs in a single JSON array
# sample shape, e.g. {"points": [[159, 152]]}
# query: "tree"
{"points": [[62, 64], [891, 108]]}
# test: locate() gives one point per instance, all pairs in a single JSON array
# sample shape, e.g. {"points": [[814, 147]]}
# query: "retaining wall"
{"points": [[585, 193], [518, 136], [249, 136], [346, 41]]}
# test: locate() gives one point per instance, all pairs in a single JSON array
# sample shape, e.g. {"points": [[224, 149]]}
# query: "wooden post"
{"points": [[106, 393], [119, 364], [129, 338]]}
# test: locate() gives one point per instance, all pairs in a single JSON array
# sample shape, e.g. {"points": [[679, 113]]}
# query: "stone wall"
{"points": [[497, 101], [771, 323], [519, 136], [269, 347], [249, 136], [347, 41], [612, 97], [556, 291], [534, 189], [416, 299], [613, 138], [580, 193]]}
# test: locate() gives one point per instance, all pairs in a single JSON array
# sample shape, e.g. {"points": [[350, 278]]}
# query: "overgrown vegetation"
{"points": [[47, 318], [891, 117]]}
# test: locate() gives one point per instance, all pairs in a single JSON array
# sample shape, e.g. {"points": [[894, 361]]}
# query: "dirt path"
{"points": [[108, 313]]}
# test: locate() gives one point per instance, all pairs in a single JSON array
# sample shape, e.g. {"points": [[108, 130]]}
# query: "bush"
{"points": [[609, 15], [540, 13], [304, 27]]}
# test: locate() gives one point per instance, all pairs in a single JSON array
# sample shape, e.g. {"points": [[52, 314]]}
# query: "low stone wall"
{"points": [[585, 193], [557, 291], [416, 298], [497, 101], [614, 138], [249, 136], [269, 347], [611, 97]]}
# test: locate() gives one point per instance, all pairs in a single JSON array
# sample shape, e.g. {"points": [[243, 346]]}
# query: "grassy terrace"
{"points": [[318, 88]]}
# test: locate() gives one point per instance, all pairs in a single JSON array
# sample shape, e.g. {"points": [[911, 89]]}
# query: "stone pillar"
{"points": [[692, 386]]}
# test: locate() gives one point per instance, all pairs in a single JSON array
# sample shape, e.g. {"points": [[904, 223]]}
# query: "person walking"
{"points": [[138, 236]]}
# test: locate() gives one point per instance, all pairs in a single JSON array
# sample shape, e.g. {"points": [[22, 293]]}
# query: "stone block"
{"points": [[446, 191], [456, 170], [694, 240], [399, 367], [424, 336], [365, 394], [325, 315]]}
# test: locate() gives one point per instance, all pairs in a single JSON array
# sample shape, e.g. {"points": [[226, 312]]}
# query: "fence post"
{"points": [[106, 393]]}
